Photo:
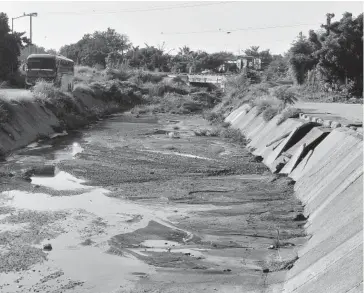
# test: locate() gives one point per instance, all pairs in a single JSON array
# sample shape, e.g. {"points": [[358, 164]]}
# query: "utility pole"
{"points": [[31, 28]]}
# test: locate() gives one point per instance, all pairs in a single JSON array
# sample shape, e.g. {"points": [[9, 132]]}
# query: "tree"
{"points": [[340, 56], [286, 95], [301, 58], [10, 46], [277, 69], [51, 51], [252, 51], [94, 49], [214, 60]]}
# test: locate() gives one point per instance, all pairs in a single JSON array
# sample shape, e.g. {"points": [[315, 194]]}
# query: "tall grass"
{"points": [[85, 74]]}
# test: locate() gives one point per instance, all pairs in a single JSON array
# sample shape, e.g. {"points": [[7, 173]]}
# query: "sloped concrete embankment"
{"points": [[326, 164], [30, 120]]}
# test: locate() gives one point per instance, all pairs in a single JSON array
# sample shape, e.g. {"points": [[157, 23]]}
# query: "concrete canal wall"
{"points": [[325, 159]]}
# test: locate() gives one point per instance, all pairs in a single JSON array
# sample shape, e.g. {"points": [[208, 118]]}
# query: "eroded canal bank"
{"points": [[130, 208]]}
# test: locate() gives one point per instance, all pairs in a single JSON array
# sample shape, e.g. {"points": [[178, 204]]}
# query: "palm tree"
{"points": [[184, 51]]}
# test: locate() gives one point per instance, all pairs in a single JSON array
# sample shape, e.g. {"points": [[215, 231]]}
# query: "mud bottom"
{"points": [[123, 207]]}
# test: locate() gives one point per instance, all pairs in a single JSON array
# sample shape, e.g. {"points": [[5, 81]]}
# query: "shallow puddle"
{"points": [[101, 270], [61, 181]]}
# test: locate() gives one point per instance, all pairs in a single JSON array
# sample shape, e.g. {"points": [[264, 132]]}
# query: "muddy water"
{"points": [[131, 208]]}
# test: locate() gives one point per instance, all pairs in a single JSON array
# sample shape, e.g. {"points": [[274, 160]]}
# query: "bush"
{"points": [[209, 99], [85, 74], [213, 117], [120, 74], [124, 93], [162, 88], [265, 103], [207, 132], [233, 135], [62, 104], [85, 88], [269, 113], [141, 76], [46, 90], [286, 95], [289, 112]]}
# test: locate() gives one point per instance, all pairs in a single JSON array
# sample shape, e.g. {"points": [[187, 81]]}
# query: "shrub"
{"points": [[233, 135], [162, 88], [141, 76], [88, 75], [201, 132], [286, 95], [289, 112], [124, 93], [46, 90], [213, 117], [265, 103], [207, 132], [269, 113], [59, 102], [214, 132], [120, 74], [208, 99], [83, 88]]}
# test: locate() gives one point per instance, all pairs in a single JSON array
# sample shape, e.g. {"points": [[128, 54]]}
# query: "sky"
{"points": [[197, 24]]}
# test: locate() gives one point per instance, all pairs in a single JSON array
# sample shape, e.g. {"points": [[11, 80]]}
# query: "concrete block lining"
{"points": [[328, 172]]}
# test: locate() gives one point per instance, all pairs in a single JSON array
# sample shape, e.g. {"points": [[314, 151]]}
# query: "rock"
{"points": [[300, 217], [47, 247], [227, 270], [173, 135], [335, 124]]}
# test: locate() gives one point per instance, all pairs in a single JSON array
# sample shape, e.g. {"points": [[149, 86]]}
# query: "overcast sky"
{"points": [[60, 23]]}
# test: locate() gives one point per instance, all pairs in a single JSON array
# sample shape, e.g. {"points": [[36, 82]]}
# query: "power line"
{"points": [[141, 10], [238, 29]]}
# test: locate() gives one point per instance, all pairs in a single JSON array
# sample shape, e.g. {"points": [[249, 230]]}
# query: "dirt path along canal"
{"points": [[126, 207]]}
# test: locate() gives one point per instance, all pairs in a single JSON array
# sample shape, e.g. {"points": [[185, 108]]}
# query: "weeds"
{"points": [[141, 76], [213, 117], [289, 112], [233, 135], [59, 102], [286, 95], [269, 113], [215, 132], [279, 265]]}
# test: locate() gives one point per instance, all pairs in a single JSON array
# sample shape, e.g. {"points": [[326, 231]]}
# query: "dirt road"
{"points": [[131, 208], [350, 112]]}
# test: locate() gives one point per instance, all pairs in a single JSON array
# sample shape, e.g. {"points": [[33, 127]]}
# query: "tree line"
{"points": [[331, 56]]}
